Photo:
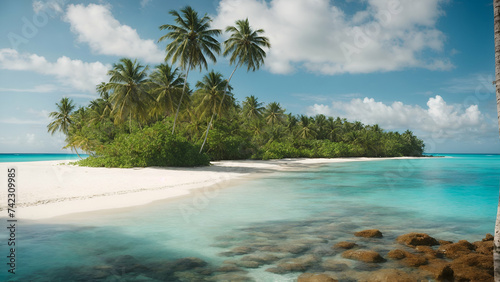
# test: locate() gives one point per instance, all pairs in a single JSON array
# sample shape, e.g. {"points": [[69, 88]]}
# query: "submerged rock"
{"points": [[473, 267], [385, 275], [397, 254], [261, 258], [188, 263], [444, 242], [230, 277], [344, 245], [248, 263], [455, 250], [417, 239], [277, 270], [428, 251], [293, 248], [363, 255], [484, 247], [334, 265], [311, 277], [407, 258], [370, 233], [230, 268], [488, 237], [301, 263], [439, 269]]}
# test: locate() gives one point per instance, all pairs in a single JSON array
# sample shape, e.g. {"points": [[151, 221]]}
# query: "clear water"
{"points": [[450, 198], [8, 158]]}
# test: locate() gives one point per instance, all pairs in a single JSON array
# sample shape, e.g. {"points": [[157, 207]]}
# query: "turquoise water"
{"points": [[282, 216], [4, 158]]}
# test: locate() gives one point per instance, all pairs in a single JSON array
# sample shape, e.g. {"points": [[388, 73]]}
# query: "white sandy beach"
{"points": [[53, 188]]}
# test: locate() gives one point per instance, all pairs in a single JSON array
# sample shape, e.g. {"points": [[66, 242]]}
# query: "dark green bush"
{"points": [[152, 146]]}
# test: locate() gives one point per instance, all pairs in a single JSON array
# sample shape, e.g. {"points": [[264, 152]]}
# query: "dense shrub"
{"points": [[152, 146]]}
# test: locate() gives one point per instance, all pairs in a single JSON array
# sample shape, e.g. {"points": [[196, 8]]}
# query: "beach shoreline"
{"points": [[48, 189]]}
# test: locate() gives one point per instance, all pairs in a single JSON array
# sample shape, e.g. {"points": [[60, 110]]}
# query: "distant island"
{"points": [[155, 118], [247, 131]]}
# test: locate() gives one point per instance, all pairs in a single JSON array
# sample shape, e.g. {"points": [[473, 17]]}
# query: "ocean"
{"points": [[7, 158], [244, 231]]}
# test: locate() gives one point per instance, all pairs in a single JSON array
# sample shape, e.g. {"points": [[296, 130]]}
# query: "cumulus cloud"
{"points": [[437, 119], [52, 7], [95, 25], [74, 73], [316, 35]]}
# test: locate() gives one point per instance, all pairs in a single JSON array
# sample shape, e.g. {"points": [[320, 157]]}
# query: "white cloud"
{"points": [[318, 36], [52, 7], [75, 73], [95, 25], [437, 119]]}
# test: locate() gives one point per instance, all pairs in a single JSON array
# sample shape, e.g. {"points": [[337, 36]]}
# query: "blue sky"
{"points": [[422, 65]]}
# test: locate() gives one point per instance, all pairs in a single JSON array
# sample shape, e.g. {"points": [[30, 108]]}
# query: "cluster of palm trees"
{"points": [[136, 96], [130, 91]]}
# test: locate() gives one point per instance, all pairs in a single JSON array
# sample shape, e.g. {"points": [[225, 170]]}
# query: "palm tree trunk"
{"points": [[74, 148], [208, 128], [182, 95], [496, 17], [213, 114]]}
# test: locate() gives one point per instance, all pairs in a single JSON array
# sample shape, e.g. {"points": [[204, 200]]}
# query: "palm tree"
{"points": [[101, 108], [62, 117], [306, 131], [129, 90], [252, 108], [274, 113], [496, 23], [62, 120], [320, 123], [166, 87], [213, 88], [245, 46], [192, 40], [334, 129]]}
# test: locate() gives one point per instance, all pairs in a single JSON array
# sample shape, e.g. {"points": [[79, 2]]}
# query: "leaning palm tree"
{"points": [[245, 46], [213, 88], [192, 40], [252, 108], [62, 118], [166, 87], [496, 23], [128, 85]]}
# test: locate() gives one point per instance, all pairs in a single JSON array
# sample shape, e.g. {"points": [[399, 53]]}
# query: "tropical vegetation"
{"points": [[153, 117]]}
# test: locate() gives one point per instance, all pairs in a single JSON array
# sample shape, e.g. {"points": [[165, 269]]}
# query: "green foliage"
{"points": [[151, 146]]}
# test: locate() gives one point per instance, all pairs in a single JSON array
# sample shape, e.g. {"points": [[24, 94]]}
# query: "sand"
{"points": [[49, 189]]}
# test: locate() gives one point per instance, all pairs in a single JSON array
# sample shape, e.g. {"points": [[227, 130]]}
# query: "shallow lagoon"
{"points": [[275, 218]]}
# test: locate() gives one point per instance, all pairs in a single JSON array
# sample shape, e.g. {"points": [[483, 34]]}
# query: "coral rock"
{"points": [[363, 255], [417, 239], [370, 233]]}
